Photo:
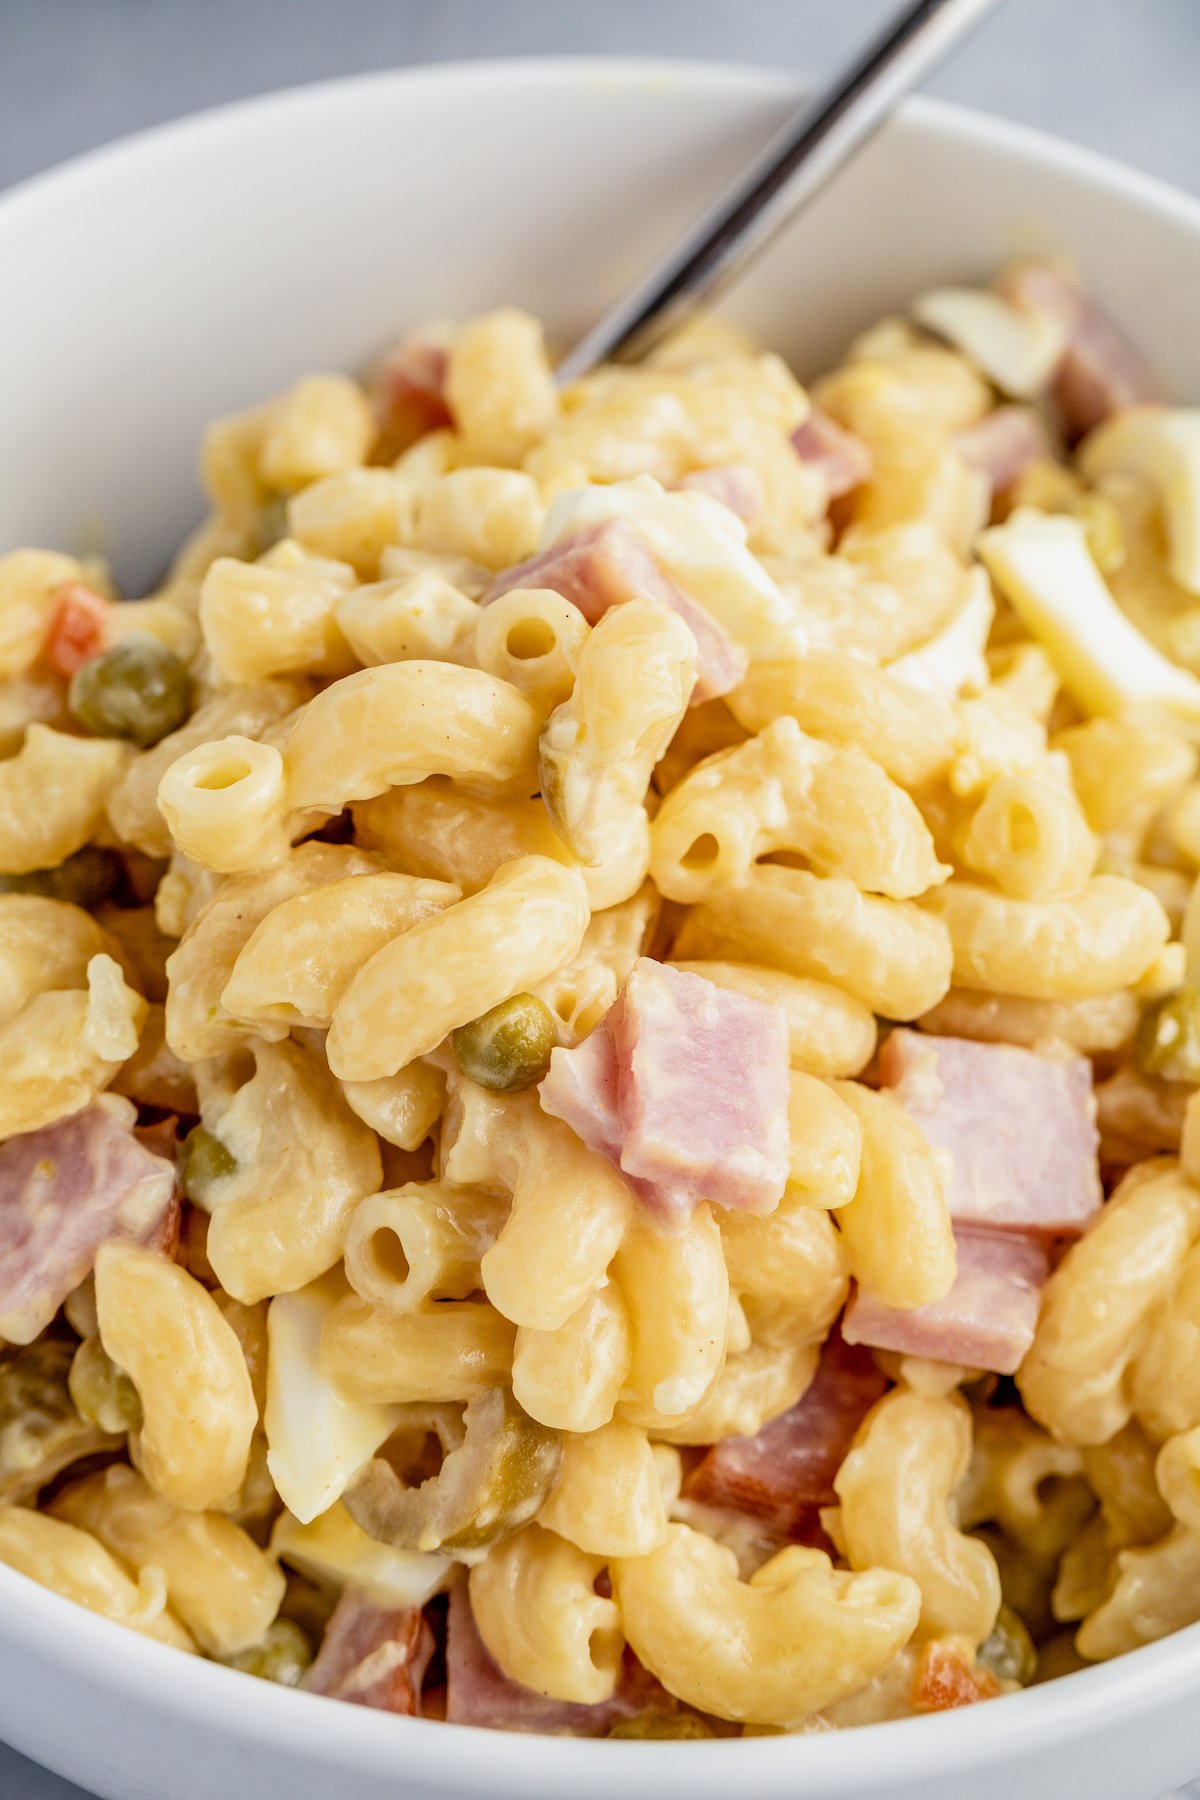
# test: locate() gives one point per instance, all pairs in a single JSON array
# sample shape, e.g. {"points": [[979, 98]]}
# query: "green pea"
{"points": [[681, 1724], [508, 1047], [138, 690], [281, 1655], [103, 1394], [203, 1160], [41, 1433], [1008, 1652], [85, 879], [1168, 1037]]}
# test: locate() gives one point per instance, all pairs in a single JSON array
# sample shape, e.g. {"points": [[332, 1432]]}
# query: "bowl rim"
{"points": [[923, 112], [110, 1657]]}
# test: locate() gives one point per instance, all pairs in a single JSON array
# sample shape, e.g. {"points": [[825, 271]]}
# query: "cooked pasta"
{"points": [[601, 1004]]}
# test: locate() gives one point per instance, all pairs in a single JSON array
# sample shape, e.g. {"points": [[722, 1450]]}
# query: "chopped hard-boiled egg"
{"points": [[316, 1441], [1017, 350], [701, 545], [1161, 443], [334, 1548], [1042, 564], [953, 660]]}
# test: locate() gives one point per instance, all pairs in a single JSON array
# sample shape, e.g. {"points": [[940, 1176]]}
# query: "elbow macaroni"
{"points": [[677, 1351], [891, 955], [1030, 837], [420, 1242], [1073, 1380], [532, 638], [438, 975], [608, 1497], [894, 1488], [198, 1410], [896, 1229], [222, 1587], [796, 1637], [569, 1209], [74, 1564], [783, 791], [1068, 947], [572, 1377], [52, 797], [537, 1610], [301, 1160], [64, 1046], [423, 808], [402, 722], [305, 953], [635, 674], [375, 1355]]}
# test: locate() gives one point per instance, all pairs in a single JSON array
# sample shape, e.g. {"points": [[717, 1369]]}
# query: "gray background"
{"points": [[1121, 75]]}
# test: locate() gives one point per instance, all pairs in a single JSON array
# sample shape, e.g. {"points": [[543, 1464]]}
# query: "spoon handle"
{"points": [[793, 167]]}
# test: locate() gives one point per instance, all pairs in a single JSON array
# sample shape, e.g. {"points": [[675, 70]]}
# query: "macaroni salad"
{"points": [[600, 1015]]}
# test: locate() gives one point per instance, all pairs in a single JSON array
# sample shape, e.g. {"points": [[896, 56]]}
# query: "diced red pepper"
{"points": [[77, 626], [943, 1680]]}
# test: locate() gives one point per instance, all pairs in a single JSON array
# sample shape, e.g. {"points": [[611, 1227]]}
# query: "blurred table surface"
{"points": [[1119, 76]]}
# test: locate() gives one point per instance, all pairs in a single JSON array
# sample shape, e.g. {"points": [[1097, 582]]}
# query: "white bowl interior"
{"points": [[200, 267]]}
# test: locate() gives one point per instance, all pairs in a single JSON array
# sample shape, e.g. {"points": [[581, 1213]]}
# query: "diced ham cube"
{"points": [[1018, 1127], [64, 1191], [735, 485], [685, 1087], [784, 1474], [608, 564], [986, 1321], [76, 632], [703, 1089], [1004, 444], [580, 1088], [372, 1655], [479, 1693], [843, 459], [407, 389], [1100, 371]]}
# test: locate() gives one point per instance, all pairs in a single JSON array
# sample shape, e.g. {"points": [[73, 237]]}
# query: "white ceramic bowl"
{"points": [[149, 286]]}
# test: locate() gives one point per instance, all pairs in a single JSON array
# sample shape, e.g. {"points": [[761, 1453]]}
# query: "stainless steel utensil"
{"points": [[783, 178]]}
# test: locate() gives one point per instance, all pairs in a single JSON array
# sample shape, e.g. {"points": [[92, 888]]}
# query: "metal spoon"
{"points": [[783, 178]]}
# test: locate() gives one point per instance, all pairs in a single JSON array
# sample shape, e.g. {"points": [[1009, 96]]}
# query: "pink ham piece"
{"points": [[407, 389], [64, 1191], [479, 1693], [1004, 444], [684, 1086], [986, 1321], [1100, 371], [784, 1474], [372, 1655], [735, 485], [1018, 1127], [608, 564], [843, 459], [580, 1088]]}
